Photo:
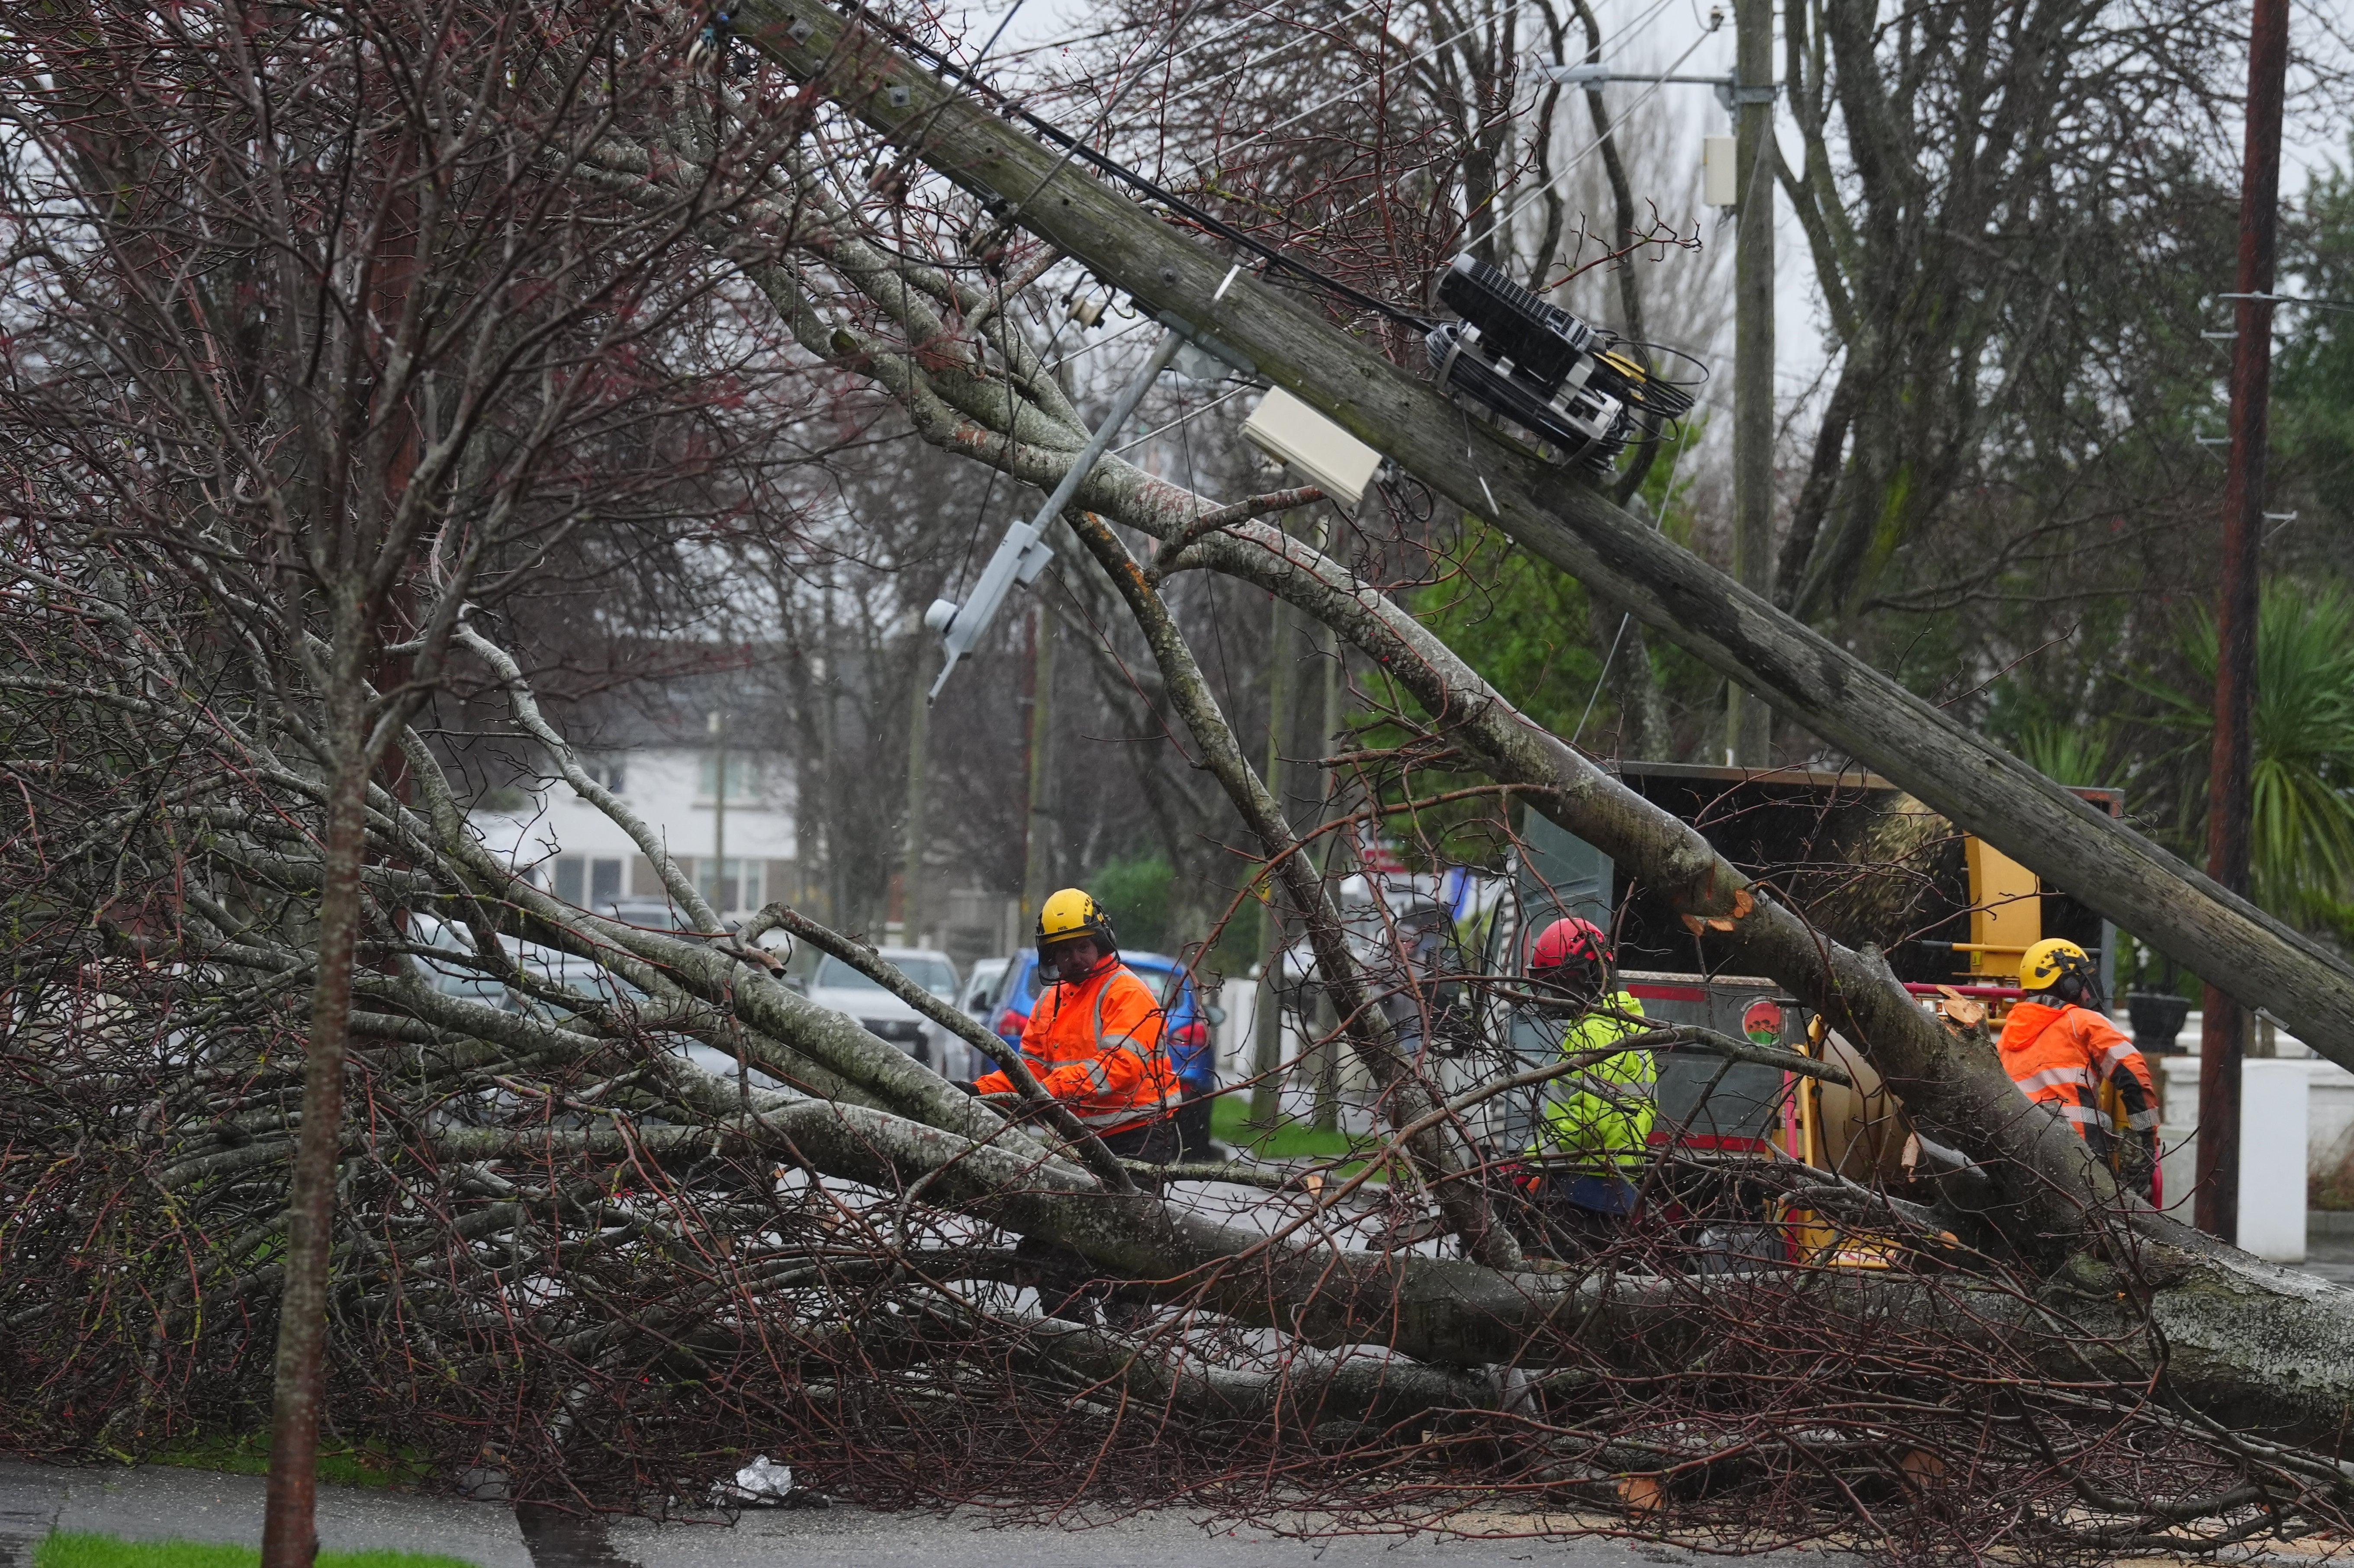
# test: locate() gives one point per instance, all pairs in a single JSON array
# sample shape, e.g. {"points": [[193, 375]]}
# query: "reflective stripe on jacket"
{"points": [[1097, 1045], [2066, 1058], [1606, 1109]]}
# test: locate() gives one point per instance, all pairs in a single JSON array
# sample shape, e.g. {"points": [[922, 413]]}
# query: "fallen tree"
{"points": [[2053, 1203], [566, 1246], [562, 1238]]}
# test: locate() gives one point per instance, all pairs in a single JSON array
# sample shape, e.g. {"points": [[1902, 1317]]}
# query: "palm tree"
{"points": [[2069, 753], [2301, 787]]}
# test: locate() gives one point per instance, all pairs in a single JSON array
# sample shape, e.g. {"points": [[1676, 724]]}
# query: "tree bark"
{"points": [[290, 1533], [1811, 681]]}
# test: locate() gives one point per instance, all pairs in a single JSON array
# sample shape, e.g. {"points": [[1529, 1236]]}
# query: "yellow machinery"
{"points": [[2006, 912]]}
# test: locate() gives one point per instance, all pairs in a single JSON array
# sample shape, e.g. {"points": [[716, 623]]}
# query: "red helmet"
{"points": [[1569, 940]]}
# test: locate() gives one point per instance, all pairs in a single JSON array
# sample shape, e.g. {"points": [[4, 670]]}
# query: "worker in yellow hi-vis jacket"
{"points": [[1601, 1114]]}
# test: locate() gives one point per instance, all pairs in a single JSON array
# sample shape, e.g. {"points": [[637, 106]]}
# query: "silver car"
{"points": [[838, 986]]}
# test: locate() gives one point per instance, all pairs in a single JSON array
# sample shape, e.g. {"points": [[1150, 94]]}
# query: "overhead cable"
{"points": [[1074, 148]]}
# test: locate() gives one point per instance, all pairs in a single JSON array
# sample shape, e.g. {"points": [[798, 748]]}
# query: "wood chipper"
{"points": [[1866, 862]]}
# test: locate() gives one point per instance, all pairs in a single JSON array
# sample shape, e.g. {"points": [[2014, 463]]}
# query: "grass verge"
{"points": [[65, 1551], [352, 1465], [1229, 1124]]}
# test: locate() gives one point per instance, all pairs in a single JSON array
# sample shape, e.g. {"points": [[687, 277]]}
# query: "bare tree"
{"points": [[317, 321]]}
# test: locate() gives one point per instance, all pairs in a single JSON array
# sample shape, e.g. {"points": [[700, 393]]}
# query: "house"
{"points": [[666, 772]]}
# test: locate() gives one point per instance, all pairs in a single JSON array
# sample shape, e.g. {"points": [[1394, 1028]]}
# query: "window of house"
{"points": [[738, 885], [604, 882], [568, 872], [743, 776]]}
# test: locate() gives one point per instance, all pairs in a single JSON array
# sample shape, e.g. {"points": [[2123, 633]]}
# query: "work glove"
{"points": [[969, 1087]]}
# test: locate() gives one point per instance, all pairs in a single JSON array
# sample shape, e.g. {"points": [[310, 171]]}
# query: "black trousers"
{"points": [[1155, 1142], [1060, 1274], [1192, 1120]]}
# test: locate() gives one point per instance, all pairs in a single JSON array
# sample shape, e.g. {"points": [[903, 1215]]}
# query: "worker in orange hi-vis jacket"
{"points": [[2063, 1052], [1095, 1039]]}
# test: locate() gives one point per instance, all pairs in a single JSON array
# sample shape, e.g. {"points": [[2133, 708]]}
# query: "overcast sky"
{"points": [[1661, 35]]}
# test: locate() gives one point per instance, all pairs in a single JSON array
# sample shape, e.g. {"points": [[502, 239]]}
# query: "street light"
{"points": [[1593, 73], [718, 724]]}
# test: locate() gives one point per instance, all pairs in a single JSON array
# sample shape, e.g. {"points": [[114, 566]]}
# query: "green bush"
{"points": [[1135, 891], [2301, 786]]}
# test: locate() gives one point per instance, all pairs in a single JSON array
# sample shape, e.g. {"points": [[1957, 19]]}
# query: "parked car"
{"points": [[981, 988], [1192, 1051], [576, 973], [838, 986], [451, 978], [651, 914], [557, 967]]}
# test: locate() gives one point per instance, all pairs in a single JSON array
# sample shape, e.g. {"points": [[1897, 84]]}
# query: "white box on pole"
{"points": [[1332, 459], [2272, 1110], [1719, 186]]}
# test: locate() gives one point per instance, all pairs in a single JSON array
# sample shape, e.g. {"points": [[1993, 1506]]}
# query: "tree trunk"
{"points": [[290, 1533], [1809, 680]]}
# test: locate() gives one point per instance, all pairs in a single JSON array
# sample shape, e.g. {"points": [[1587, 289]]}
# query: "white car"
{"points": [[838, 986], [980, 986]]}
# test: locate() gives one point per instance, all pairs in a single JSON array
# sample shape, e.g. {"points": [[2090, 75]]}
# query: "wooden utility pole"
{"points": [[2223, 1027], [911, 879], [718, 894], [1327, 1022], [1748, 722], [1037, 858], [1267, 1017]]}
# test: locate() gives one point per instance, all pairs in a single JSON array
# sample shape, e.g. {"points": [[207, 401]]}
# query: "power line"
{"points": [[1074, 148], [1104, 119], [1224, 153], [1618, 46], [1185, 418]]}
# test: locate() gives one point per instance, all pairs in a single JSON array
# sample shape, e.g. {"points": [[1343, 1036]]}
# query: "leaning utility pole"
{"points": [[2223, 1028], [1748, 722]]}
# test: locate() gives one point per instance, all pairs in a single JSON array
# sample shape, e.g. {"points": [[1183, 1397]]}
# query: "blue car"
{"points": [[1193, 1054]]}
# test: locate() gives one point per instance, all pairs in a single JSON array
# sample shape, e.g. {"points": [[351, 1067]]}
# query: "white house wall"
{"points": [[670, 787]]}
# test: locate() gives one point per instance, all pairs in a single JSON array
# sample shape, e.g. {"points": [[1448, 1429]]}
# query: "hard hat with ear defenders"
{"points": [[1069, 914], [2051, 964]]}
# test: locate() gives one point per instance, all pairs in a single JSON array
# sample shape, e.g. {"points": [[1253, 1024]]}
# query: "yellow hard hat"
{"points": [[1073, 913], [2045, 965]]}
